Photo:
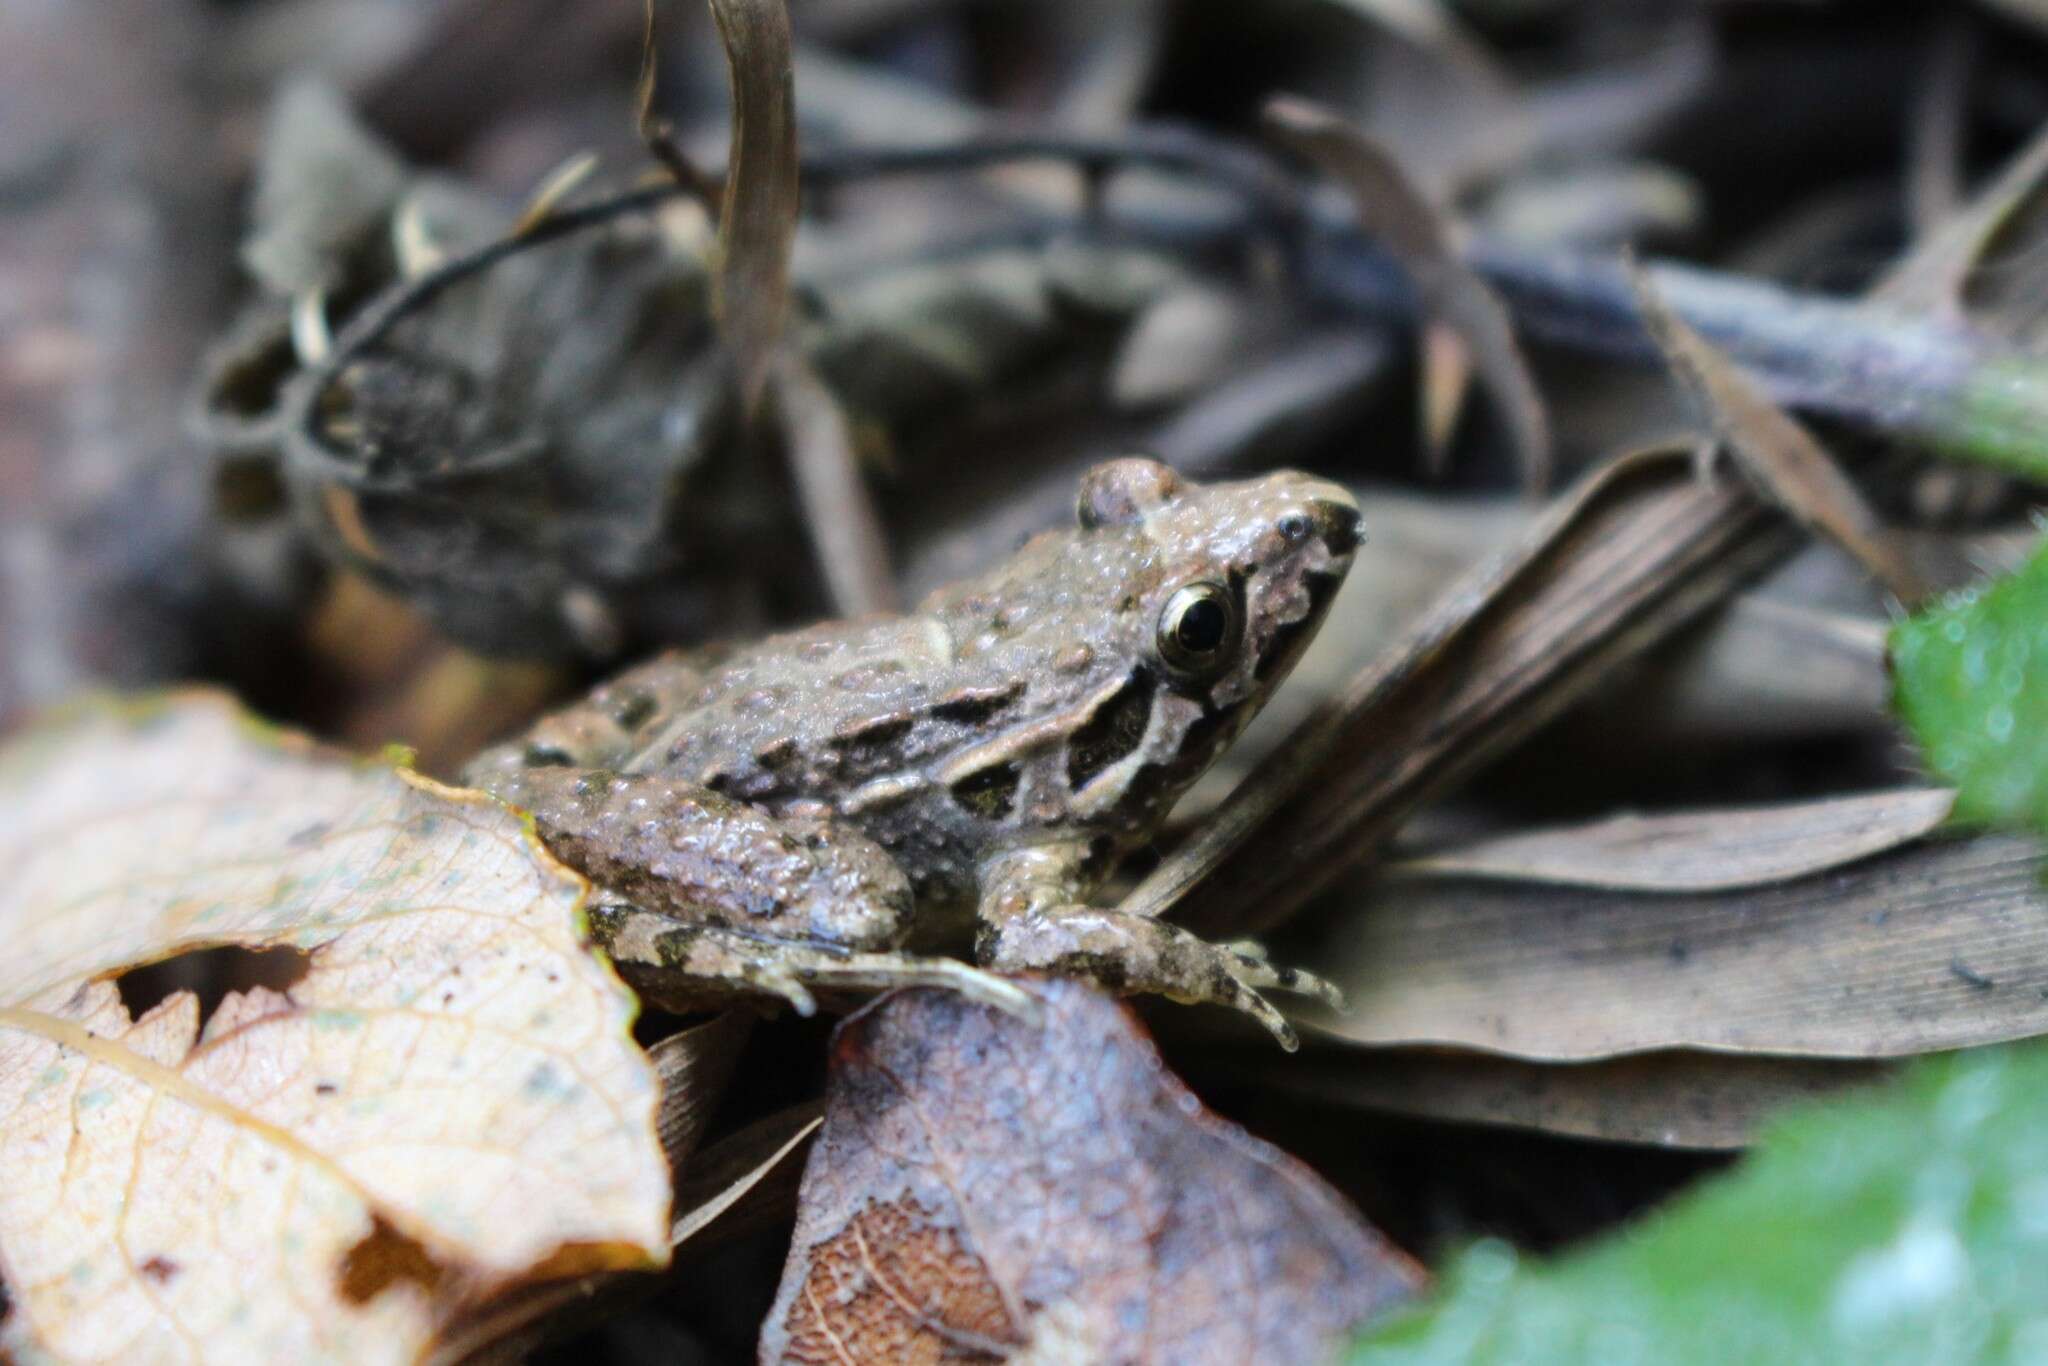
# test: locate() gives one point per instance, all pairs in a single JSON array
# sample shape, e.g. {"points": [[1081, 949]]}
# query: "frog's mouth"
{"points": [[1339, 527]]}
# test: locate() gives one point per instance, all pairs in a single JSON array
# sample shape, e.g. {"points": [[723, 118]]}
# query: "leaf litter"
{"points": [[991, 257]]}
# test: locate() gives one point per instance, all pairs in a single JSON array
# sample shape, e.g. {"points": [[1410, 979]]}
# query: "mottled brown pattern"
{"points": [[981, 1185], [1026, 711]]}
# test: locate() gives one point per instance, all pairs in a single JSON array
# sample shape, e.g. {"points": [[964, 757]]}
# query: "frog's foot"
{"points": [[676, 963], [1134, 953]]}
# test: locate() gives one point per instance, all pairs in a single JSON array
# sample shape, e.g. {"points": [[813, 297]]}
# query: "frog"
{"points": [[786, 816]]}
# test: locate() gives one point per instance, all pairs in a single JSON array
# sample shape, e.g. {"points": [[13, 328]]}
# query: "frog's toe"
{"points": [[1257, 970], [777, 981], [1248, 1000]]}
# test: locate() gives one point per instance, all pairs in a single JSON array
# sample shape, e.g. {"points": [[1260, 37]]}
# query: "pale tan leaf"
{"points": [[1446, 374], [757, 218], [1779, 454], [446, 1102], [1396, 214], [1702, 851], [1935, 945]]}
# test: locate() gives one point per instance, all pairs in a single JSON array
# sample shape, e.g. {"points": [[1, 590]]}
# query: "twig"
{"points": [[1884, 370]]}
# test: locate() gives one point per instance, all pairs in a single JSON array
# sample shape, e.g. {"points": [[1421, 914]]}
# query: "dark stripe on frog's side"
{"points": [[1114, 732], [990, 793], [977, 706], [632, 708]]}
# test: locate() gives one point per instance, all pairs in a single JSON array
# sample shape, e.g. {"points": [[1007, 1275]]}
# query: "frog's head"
{"points": [[1223, 586], [1240, 574]]}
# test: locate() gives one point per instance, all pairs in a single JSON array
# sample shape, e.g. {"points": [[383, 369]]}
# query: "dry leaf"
{"points": [[1666, 1100], [757, 220], [1702, 851], [1932, 277], [845, 528], [1634, 552], [1396, 215], [1787, 464], [446, 1102], [746, 1181], [985, 1186], [695, 1066], [1932, 946]]}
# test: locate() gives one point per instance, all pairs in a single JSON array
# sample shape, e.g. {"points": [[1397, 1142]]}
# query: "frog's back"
{"points": [[1030, 704]]}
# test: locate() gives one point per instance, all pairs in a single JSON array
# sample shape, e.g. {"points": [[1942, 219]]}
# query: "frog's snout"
{"points": [[1325, 511], [1338, 522]]}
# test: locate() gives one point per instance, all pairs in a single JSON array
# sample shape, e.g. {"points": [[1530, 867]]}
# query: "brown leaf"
{"points": [[694, 1066], [757, 220], [1935, 945], [1787, 464], [982, 1185], [1701, 851], [745, 1181], [1394, 213]]}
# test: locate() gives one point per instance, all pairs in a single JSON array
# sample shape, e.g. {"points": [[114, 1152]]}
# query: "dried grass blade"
{"points": [[757, 218], [1394, 212], [1783, 458], [1931, 277], [839, 512]]}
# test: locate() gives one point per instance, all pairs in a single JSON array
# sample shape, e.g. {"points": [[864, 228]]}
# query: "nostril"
{"points": [[1342, 527]]}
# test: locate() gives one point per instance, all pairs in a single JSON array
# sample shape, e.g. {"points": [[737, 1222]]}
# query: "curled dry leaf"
{"points": [[1931, 946], [985, 1187], [1703, 851], [446, 1102], [1779, 454], [1456, 301]]}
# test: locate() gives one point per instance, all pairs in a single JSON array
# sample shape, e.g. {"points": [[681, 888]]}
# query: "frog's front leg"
{"points": [[701, 895], [678, 964], [1033, 919]]}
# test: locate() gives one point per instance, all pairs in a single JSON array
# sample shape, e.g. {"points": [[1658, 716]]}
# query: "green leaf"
{"points": [[1970, 678], [1907, 1226]]}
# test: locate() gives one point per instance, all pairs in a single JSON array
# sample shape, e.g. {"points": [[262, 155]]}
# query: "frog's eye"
{"points": [[1198, 628]]}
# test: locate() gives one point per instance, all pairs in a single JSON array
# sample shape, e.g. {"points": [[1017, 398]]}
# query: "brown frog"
{"points": [[769, 816]]}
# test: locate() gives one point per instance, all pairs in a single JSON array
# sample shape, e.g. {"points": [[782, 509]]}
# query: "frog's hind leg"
{"points": [[702, 896], [679, 964]]}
